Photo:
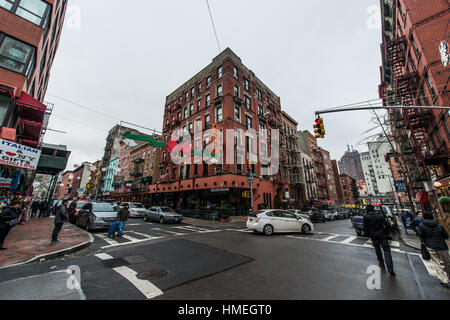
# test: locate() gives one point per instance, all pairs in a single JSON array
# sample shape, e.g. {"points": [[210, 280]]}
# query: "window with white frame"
{"points": [[208, 81], [248, 122], [208, 100], [236, 91], [185, 112], [219, 72], [246, 84], [191, 109], [247, 102], [219, 91], [199, 103], [219, 114], [237, 114], [235, 72]]}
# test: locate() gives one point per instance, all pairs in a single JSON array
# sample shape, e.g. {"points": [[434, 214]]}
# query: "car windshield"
{"points": [[103, 207], [136, 206], [166, 209]]}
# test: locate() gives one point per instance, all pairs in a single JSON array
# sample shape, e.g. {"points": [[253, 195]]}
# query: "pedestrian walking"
{"points": [[60, 217], [34, 208], [416, 222], [23, 218], [433, 236], [8, 219], [72, 212], [377, 227], [122, 217]]}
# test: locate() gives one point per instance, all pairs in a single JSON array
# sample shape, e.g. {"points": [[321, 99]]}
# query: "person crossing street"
{"points": [[61, 216], [377, 227], [122, 217]]}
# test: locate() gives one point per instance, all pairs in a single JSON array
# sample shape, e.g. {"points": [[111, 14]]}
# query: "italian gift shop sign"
{"points": [[18, 155]]}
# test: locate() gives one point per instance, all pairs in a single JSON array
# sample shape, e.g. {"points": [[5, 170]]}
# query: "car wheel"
{"points": [[161, 220], [306, 229], [268, 230]]}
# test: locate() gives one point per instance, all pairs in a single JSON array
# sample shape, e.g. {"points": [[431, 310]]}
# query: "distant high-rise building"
{"points": [[351, 165]]}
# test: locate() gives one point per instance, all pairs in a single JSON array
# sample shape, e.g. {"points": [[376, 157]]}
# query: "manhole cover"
{"points": [[152, 274]]}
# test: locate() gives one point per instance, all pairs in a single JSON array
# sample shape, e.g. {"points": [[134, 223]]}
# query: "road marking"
{"points": [[105, 238], [329, 238], [104, 256], [134, 224], [348, 240], [395, 244], [172, 232], [129, 243], [133, 240], [146, 287], [147, 236], [197, 230], [431, 268]]}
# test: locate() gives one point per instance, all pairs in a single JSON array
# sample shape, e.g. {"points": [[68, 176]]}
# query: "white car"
{"points": [[137, 210], [272, 221]]}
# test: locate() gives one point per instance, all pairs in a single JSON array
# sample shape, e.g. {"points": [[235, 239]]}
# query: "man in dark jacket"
{"points": [[122, 217], [34, 208], [6, 216], [434, 236], [377, 228], [60, 217]]}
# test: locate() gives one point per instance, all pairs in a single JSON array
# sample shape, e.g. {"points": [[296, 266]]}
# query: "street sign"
{"points": [[89, 186], [250, 180], [400, 185]]}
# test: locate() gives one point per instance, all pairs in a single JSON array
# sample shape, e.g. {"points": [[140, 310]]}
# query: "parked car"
{"points": [[162, 215], [300, 213], [317, 216], [137, 210], [328, 215], [273, 221], [96, 215], [358, 221], [73, 215]]}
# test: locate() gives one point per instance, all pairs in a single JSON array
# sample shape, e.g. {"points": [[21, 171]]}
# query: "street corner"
{"points": [[32, 242]]}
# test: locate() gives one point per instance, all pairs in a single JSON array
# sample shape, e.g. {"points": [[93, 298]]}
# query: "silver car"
{"points": [[137, 210], [96, 215], [162, 215]]}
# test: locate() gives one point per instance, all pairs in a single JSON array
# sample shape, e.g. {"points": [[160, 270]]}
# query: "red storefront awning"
{"points": [[421, 197], [33, 110]]}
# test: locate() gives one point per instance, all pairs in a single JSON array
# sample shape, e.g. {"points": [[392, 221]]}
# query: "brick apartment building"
{"points": [[225, 95], [29, 37], [414, 75], [73, 184], [331, 187], [95, 176], [348, 189], [319, 172]]}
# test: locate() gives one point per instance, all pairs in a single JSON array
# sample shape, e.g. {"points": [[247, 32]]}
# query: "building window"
{"points": [[208, 100], [416, 48], [430, 86], [199, 102], [16, 55], [235, 72], [248, 122], [219, 91], [35, 11], [219, 72], [190, 128], [236, 91], [191, 109], [247, 102], [219, 114], [260, 110], [185, 113], [208, 82], [192, 92], [206, 121], [259, 94], [199, 88], [246, 84], [186, 96], [237, 114]]}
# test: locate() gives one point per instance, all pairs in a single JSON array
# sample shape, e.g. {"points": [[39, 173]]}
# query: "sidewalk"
{"points": [[410, 239], [32, 242]]}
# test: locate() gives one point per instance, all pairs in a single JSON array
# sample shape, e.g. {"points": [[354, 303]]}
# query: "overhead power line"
{"points": [[213, 25]]}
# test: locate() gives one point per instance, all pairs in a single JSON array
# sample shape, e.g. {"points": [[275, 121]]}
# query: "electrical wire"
{"points": [[214, 26]]}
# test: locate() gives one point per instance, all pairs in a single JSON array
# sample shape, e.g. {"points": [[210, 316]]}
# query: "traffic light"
{"points": [[319, 128], [249, 166]]}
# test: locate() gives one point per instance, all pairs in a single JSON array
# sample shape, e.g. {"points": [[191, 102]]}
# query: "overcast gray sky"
{"points": [[124, 58]]}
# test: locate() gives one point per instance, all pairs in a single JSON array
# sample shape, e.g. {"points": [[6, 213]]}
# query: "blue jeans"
{"points": [[121, 226]]}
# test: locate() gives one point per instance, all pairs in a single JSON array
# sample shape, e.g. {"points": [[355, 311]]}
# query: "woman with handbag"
{"points": [[8, 219]]}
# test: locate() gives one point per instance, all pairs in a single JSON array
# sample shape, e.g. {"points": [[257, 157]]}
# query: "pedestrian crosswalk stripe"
{"points": [[348, 240], [130, 238], [146, 236], [105, 238], [104, 256], [148, 289], [197, 230], [329, 238], [171, 232], [395, 243]]}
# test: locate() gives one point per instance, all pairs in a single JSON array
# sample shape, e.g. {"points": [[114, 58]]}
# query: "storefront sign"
{"points": [[17, 155], [220, 190], [246, 194]]}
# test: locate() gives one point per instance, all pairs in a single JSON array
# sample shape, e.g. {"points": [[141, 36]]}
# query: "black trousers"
{"points": [[383, 243], [58, 227], [3, 233]]}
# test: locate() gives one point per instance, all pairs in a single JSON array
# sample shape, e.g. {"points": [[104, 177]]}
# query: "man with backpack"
{"points": [[377, 227], [433, 235]]}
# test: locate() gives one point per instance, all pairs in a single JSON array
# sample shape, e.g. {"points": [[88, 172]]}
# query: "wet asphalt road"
{"points": [[178, 262]]}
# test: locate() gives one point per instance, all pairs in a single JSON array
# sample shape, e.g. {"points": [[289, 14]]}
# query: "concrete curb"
{"points": [[58, 253], [403, 239]]}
